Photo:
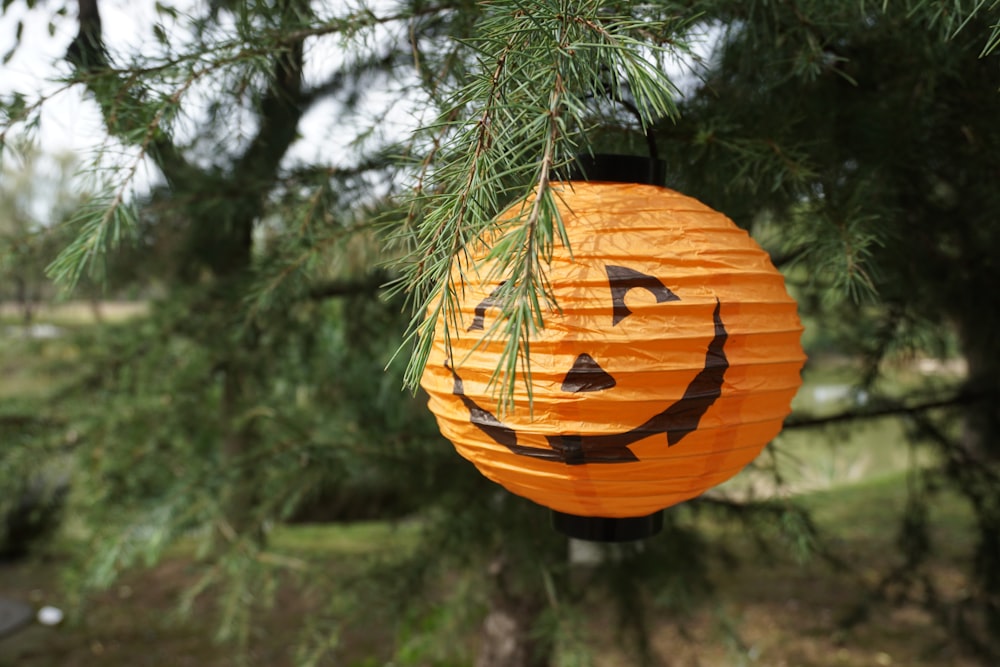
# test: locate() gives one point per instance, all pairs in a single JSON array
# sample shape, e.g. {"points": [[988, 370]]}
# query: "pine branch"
{"points": [[359, 20], [25, 421], [497, 140], [88, 56], [370, 285], [960, 399]]}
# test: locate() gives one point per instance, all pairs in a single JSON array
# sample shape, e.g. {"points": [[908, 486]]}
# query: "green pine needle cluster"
{"points": [[499, 141]]}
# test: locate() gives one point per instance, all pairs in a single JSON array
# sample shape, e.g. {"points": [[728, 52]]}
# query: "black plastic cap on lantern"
{"points": [[613, 168], [599, 529]]}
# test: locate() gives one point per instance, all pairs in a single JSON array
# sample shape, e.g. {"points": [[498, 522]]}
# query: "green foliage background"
{"points": [[857, 140]]}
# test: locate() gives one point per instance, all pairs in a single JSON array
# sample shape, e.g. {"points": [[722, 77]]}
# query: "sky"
{"points": [[69, 122]]}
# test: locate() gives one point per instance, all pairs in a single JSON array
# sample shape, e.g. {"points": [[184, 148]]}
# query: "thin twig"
{"points": [[960, 399]]}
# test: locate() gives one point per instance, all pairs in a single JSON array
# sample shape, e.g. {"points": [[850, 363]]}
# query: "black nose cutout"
{"points": [[587, 375]]}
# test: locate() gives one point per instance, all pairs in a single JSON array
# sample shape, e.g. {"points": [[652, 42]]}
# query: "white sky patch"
{"points": [[704, 41], [384, 110], [70, 121]]}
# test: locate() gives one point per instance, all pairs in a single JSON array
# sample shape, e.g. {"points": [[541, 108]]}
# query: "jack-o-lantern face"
{"points": [[587, 375], [674, 354]]}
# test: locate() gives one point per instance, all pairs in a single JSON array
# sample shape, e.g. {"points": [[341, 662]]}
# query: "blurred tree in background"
{"points": [[276, 165], [34, 200]]}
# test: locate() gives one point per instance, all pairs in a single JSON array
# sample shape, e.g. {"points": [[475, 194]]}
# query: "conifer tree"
{"points": [[257, 383], [34, 196]]}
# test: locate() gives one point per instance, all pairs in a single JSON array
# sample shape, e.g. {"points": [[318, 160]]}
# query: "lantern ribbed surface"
{"points": [[671, 363]]}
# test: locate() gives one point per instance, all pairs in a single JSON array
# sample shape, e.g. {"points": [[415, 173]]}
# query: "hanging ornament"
{"points": [[670, 363]]}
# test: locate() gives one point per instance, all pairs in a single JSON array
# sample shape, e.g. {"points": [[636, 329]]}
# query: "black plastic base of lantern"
{"points": [[601, 529]]}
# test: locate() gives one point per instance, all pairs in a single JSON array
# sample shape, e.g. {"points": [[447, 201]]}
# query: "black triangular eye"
{"points": [[484, 305], [622, 279]]}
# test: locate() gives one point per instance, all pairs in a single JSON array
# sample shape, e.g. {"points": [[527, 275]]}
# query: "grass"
{"points": [[32, 359], [354, 539], [771, 609], [31, 367], [74, 313]]}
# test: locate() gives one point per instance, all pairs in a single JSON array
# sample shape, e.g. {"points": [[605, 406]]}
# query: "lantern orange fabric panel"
{"points": [[672, 362]]}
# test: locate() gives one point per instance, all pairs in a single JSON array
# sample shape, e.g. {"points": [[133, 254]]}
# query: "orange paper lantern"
{"points": [[671, 363]]}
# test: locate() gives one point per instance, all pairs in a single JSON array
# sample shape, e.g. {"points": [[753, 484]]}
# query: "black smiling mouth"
{"points": [[674, 422]]}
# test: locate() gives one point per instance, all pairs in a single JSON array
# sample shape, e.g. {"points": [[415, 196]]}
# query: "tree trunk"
{"points": [[24, 300], [237, 442], [976, 474], [239, 384], [508, 636], [96, 309]]}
